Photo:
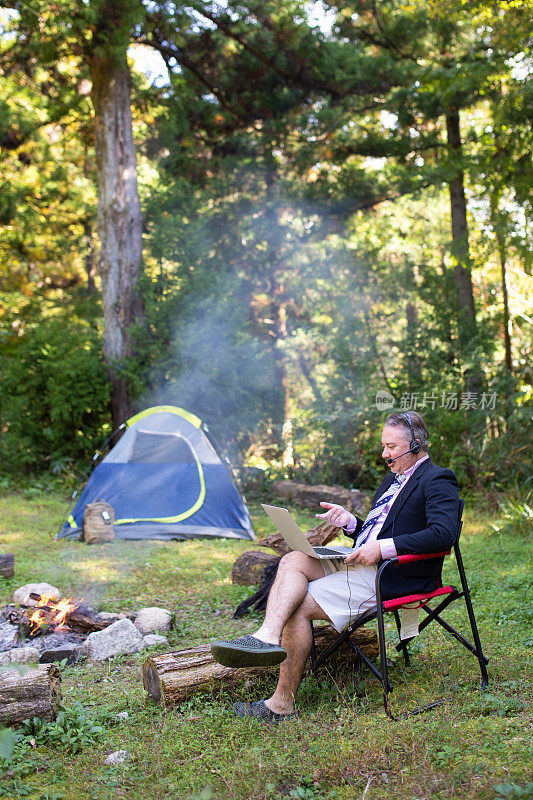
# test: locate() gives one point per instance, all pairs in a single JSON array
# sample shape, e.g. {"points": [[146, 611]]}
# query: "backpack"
{"points": [[98, 520]]}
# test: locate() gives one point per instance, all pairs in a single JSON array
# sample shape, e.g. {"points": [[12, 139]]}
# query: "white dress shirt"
{"points": [[388, 549]]}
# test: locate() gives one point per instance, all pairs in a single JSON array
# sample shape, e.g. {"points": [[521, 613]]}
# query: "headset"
{"points": [[415, 445]]}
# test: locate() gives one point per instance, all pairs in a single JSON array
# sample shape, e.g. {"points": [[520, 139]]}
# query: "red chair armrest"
{"points": [[423, 557]]}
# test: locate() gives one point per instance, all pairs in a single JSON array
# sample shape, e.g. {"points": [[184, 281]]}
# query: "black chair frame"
{"points": [[449, 594]]}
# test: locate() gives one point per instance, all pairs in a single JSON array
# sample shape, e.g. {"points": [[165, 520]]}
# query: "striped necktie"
{"points": [[375, 511]]}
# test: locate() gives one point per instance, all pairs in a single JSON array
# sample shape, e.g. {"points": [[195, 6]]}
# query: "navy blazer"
{"points": [[422, 519]]}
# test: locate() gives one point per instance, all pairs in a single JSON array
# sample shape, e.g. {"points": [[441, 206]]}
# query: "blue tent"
{"points": [[165, 480]]}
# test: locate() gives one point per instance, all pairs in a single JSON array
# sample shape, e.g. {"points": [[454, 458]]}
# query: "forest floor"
{"points": [[343, 746]]}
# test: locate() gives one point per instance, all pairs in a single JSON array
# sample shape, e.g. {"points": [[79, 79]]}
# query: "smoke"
{"points": [[256, 318], [225, 374]]}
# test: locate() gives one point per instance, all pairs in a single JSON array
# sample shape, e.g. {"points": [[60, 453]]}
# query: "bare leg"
{"points": [[288, 592], [297, 642]]}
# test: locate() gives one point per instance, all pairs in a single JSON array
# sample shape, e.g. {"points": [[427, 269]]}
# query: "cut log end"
{"points": [[249, 567], [34, 692], [7, 565], [151, 681]]}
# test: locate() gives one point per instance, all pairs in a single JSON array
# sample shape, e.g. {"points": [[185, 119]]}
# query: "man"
{"points": [[414, 510]]}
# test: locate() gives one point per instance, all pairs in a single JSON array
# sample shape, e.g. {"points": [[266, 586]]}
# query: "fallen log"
{"points": [[249, 567], [171, 678], [7, 565], [28, 693], [311, 496]]}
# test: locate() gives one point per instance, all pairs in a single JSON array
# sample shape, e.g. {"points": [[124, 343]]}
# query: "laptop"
{"points": [[297, 540]]}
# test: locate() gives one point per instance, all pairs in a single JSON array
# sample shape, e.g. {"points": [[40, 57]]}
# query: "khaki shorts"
{"points": [[345, 591]]}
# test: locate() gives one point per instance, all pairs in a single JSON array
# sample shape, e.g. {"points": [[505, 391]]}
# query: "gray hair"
{"points": [[399, 420]]}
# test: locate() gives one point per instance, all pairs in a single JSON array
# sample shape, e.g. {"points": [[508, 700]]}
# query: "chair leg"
{"points": [[402, 644], [383, 661], [482, 660]]}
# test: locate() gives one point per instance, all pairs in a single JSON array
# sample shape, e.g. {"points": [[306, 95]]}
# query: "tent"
{"points": [[165, 480]]}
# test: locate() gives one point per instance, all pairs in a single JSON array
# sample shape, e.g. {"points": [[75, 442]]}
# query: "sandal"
{"points": [[259, 710], [247, 651]]}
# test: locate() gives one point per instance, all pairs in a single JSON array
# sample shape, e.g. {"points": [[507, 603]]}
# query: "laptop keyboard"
{"points": [[327, 551]]}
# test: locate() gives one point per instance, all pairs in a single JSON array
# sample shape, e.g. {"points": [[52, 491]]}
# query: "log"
{"points": [[249, 567], [311, 496], [171, 678], [318, 537], [81, 620], [85, 620], [29, 693], [7, 565]]}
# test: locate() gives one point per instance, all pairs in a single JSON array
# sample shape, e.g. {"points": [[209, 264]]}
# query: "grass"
{"points": [[342, 746]]}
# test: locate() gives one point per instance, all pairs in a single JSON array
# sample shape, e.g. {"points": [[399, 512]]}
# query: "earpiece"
{"points": [[415, 445]]}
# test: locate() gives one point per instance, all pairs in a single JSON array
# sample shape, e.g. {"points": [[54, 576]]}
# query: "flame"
{"points": [[50, 611]]}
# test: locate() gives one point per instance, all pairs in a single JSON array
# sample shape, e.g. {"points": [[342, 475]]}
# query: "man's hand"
{"points": [[335, 515], [369, 553]]}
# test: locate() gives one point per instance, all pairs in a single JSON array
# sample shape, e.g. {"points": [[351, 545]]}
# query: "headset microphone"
{"points": [[414, 446], [391, 460]]}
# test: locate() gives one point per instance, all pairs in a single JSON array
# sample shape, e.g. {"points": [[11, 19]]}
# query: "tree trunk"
{"points": [[506, 314], [306, 372], [120, 221], [280, 332], [374, 345], [498, 225], [89, 258], [413, 362], [464, 293], [173, 677], [31, 693]]}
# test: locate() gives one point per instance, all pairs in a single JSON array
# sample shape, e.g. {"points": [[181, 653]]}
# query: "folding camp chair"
{"points": [[449, 593]]}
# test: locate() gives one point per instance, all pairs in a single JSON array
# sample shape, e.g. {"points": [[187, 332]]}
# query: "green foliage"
{"points": [[512, 791], [517, 516], [73, 729], [55, 390], [8, 741]]}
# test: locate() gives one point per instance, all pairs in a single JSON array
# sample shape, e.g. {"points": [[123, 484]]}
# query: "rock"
{"points": [[119, 757], [154, 639], [120, 637], [70, 652], [8, 635], [20, 655], [22, 594], [311, 496], [152, 620], [122, 716]]}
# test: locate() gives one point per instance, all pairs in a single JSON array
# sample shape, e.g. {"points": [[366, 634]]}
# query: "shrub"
{"points": [[55, 393]]}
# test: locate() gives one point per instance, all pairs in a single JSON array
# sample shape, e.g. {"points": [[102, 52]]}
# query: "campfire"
{"points": [[48, 616], [49, 625]]}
